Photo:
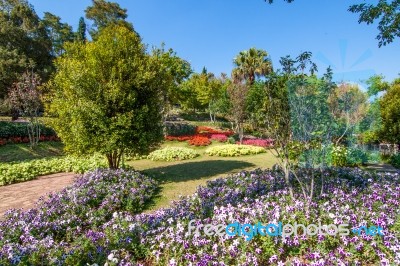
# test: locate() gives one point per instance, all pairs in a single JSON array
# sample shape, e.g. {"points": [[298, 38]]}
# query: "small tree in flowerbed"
{"points": [[24, 96], [106, 96]]}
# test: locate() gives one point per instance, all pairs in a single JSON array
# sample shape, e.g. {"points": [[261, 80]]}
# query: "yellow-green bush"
{"points": [[173, 154], [233, 150]]}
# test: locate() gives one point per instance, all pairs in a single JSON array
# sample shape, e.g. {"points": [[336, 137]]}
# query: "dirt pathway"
{"points": [[25, 194]]}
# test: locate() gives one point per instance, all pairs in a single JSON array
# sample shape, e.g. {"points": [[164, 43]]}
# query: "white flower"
{"points": [[331, 215], [110, 257], [115, 215]]}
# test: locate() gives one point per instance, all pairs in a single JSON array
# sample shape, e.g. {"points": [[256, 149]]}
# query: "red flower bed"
{"points": [[208, 131], [219, 137], [258, 142], [178, 138], [16, 140], [199, 141]]}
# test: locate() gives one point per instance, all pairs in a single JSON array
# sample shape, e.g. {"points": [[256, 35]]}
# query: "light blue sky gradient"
{"points": [[211, 32]]}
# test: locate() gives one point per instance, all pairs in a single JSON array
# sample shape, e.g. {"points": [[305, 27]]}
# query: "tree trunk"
{"points": [[114, 159]]}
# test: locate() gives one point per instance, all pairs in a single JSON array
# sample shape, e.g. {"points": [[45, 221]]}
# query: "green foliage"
{"points": [[23, 43], [234, 150], [106, 96], [250, 64], [59, 33], [170, 154], [339, 156], [81, 32], [104, 14], [179, 129], [388, 14], [356, 157], [24, 171], [395, 160], [13, 129], [342, 156], [390, 113], [178, 70]]}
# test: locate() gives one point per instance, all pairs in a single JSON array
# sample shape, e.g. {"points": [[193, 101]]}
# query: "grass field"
{"points": [[176, 178], [183, 177], [23, 152]]}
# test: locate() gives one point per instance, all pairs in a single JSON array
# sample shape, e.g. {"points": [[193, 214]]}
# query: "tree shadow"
{"points": [[195, 170]]}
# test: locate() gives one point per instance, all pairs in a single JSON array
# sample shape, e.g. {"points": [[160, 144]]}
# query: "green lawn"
{"points": [[176, 178], [183, 177], [22, 152]]}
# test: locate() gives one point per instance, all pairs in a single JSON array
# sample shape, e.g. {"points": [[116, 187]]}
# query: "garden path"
{"points": [[381, 167], [25, 194]]}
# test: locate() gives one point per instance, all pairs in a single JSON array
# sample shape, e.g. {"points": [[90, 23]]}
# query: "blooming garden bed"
{"points": [[92, 223]]}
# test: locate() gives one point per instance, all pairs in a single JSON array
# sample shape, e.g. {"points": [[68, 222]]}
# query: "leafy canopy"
{"points": [[106, 96]]}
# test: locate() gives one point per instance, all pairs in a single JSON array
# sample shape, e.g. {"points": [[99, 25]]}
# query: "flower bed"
{"points": [[219, 137], [67, 227], [24, 171], [161, 237], [265, 143], [233, 150], [13, 132], [207, 131], [172, 154], [199, 141]]}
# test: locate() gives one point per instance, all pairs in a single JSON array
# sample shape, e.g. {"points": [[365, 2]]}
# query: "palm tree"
{"points": [[250, 64]]}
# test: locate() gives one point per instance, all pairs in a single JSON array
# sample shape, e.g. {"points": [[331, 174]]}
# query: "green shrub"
{"points": [[338, 156], [356, 157], [395, 160], [24, 171], [342, 156], [173, 154], [14, 129], [179, 129], [233, 150]]}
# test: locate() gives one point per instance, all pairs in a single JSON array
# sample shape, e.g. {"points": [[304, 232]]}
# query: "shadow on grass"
{"points": [[23, 152], [195, 170]]}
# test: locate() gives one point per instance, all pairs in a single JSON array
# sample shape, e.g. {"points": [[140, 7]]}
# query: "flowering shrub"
{"points": [[23, 171], [72, 227], [172, 154], [161, 237], [339, 156], [219, 137], [375, 202], [232, 150], [199, 141], [265, 143]]}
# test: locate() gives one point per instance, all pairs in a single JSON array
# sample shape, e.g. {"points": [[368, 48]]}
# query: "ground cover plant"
{"points": [[172, 154], [14, 172], [161, 238], [63, 227], [233, 150], [258, 142]]}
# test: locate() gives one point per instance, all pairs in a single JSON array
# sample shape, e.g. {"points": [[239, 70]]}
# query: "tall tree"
{"points": [[24, 96], [348, 105], [81, 32], [238, 91], [177, 69], [250, 64], [390, 113], [104, 13], [59, 33], [23, 43], [106, 96], [386, 12]]}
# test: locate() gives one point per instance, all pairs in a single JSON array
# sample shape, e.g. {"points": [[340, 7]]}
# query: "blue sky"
{"points": [[211, 32]]}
